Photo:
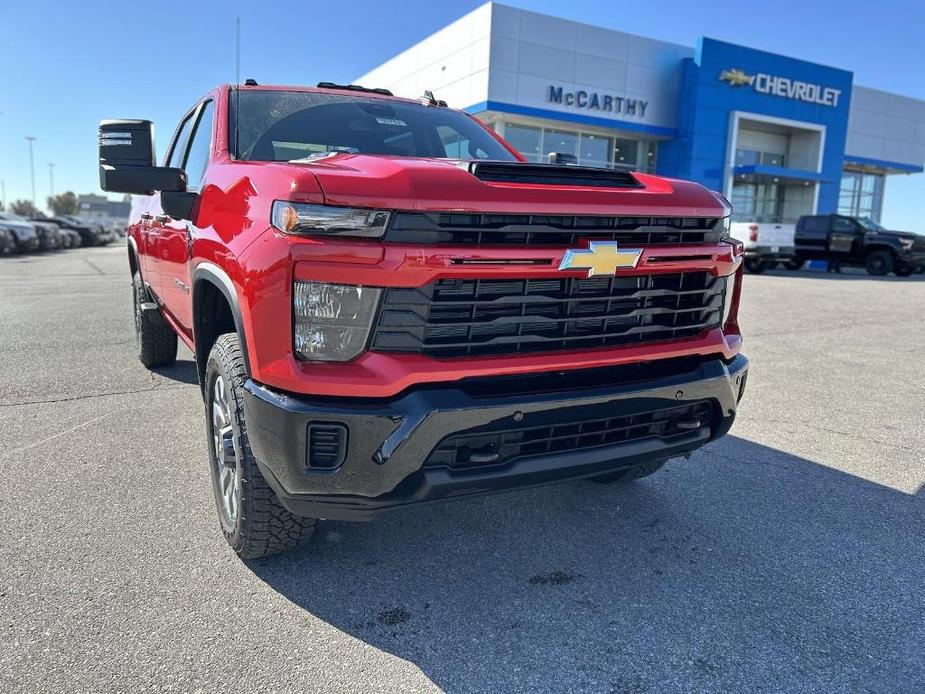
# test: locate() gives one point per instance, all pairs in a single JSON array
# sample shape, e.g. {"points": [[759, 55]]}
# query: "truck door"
{"points": [[177, 234], [154, 250], [843, 235]]}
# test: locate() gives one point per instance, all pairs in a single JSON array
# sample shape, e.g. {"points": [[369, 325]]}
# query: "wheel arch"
{"points": [[133, 261], [216, 310], [879, 246]]}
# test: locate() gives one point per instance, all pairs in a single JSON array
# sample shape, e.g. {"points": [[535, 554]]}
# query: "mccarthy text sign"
{"points": [[594, 101], [782, 86]]}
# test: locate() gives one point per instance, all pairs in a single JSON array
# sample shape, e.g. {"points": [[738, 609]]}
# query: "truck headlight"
{"points": [[332, 321], [301, 218], [728, 293], [907, 244]]}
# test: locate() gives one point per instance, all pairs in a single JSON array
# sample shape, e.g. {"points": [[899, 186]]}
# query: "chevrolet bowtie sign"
{"points": [[603, 258], [782, 86]]}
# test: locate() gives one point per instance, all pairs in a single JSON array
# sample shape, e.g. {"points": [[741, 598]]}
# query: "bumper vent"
{"points": [[327, 446], [454, 318], [585, 428]]}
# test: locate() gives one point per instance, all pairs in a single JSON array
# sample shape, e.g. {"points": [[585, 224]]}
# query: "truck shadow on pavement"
{"points": [[181, 371], [747, 568]]}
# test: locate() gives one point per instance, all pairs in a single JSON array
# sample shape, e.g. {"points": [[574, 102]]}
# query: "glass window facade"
{"points": [[752, 157], [861, 194], [591, 149], [756, 202]]}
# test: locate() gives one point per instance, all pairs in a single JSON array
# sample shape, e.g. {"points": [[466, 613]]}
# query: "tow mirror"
{"points": [[127, 160]]}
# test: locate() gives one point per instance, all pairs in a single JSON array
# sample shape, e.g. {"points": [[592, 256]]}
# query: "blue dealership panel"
{"points": [[723, 78]]}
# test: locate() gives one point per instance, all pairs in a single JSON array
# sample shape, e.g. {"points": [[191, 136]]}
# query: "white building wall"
{"points": [[512, 56], [886, 126], [453, 63], [530, 51]]}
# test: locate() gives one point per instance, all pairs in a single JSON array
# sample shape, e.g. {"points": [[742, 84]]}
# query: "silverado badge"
{"points": [[601, 258]]}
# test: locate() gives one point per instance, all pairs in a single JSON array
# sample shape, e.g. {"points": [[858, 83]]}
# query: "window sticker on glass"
{"points": [[391, 121]]}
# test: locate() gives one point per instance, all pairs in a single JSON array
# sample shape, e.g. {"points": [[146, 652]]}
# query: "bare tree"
{"points": [[65, 203], [24, 208]]}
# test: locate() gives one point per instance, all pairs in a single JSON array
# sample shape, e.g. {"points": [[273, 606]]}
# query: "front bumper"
{"points": [[912, 258], [30, 244], [388, 440], [770, 253]]}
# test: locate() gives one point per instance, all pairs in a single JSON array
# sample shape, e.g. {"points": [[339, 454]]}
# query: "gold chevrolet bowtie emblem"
{"points": [[736, 77], [601, 258]]}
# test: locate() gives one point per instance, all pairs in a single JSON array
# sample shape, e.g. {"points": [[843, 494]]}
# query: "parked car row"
{"points": [[834, 238], [23, 235]]}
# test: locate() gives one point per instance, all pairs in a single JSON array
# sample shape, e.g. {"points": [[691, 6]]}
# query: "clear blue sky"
{"points": [[67, 65]]}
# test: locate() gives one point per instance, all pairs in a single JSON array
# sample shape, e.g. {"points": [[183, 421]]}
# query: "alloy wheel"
{"points": [[227, 466]]}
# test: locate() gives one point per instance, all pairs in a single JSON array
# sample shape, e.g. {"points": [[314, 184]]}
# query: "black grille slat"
{"points": [[495, 445], [548, 230], [481, 317]]}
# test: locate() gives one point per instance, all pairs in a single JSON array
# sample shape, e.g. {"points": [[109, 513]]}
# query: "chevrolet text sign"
{"points": [[783, 86]]}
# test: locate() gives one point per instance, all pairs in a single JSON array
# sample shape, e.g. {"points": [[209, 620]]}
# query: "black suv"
{"points": [[858, 241]]}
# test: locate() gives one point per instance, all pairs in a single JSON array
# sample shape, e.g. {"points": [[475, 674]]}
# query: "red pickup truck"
{"points": [[389, 306]]}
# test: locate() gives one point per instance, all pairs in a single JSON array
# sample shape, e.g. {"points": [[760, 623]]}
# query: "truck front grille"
{"points": [[548, 230], [562, 431], [465, 317]]}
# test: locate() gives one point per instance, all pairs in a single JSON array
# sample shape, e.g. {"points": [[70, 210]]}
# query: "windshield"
{"points": [[286, 126], [869, 224]]}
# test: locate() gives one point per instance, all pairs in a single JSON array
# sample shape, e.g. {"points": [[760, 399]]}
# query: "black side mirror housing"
{"points": [[127, 163]]}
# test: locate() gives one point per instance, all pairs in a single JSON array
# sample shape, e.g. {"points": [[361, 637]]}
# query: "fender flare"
{"points": [[133, 253], [882, 245], [214, 275]]}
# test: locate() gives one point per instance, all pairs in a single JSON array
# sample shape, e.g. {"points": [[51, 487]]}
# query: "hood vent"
{"points": [[552, 175]]}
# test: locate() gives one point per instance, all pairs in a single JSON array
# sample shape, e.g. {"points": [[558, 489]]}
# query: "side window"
{"points": [[198, 157], [842, 224], [179, 144], [816, 224]]}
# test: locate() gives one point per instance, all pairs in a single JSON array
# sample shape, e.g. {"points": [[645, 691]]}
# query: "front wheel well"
{"points": [[212, 317], [879, 247]]}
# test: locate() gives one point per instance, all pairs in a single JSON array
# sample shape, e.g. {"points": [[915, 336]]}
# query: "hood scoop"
{"points": [[552, 175]]}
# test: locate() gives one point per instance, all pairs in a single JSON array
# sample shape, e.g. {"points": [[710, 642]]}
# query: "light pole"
{"points": [[237, 50], [51, 178], [30, 140]]}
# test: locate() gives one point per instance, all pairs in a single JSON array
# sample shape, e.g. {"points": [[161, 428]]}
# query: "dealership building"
{"points": [[779, 136]]}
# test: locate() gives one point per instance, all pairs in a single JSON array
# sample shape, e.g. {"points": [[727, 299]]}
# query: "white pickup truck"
{"points": [[766, 244]]}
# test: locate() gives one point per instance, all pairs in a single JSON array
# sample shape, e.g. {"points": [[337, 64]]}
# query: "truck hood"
{"points": [[406, 183], [902, 234]]}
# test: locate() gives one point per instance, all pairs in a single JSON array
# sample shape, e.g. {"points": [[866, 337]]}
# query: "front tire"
{"points": [[755, 266], [157, 344], [252, 519], [629, 474], [879, 263]]}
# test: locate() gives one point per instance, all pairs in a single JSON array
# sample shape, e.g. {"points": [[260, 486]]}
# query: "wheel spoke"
{"points": [[227, 467]]}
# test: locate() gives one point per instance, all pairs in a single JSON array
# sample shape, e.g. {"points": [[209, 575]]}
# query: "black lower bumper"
{"points": [[387, 447]]}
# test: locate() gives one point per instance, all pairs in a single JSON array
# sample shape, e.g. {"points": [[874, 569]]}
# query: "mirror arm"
{"points": [[180, 204]]}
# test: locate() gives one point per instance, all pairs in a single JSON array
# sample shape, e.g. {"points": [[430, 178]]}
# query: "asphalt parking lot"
{"points": [[788, 556]]}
